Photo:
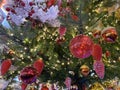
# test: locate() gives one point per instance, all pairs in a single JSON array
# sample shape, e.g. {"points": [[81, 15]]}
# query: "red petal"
{"points": [[50, 3], [99, 69], [5, 66], [97, 52], [39, 64]]}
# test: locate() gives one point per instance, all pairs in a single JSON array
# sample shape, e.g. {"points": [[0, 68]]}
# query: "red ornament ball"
{"points": [[81, 46], [109, 34], [28, 75]]}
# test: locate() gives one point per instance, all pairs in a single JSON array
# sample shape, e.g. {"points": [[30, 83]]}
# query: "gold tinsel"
{"points": [[96, 86], [117, 13]]}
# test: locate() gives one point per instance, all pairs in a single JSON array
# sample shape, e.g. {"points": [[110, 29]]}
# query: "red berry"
{"points": [[107, 53], [30, 14], [13, 11], [7, 9], [31, 3], [22, 3], [33, 24], [32, 11]]}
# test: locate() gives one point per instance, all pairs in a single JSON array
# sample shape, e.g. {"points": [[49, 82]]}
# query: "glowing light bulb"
{"points": [[11, 34], [25, 48], [63, 63], [68, 63]]}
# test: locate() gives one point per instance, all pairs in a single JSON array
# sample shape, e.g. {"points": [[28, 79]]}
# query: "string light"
{"points": [[8, 43], [13, 58], [21, 51], [51, 73], [21, 34], [86, 27], [114, 61], [47, 34], [68, 58], [31, 59], [25, 48], [34, 50], [58, 61], [56, 65], [11, 34], [21, 56], [24, 53], [89, 14], [63, 64], [28, 57], [22, 62], [68, 63], [53, 67]]}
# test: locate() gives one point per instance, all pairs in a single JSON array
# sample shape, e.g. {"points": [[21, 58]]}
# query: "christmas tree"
{"points": [[45, 30]]}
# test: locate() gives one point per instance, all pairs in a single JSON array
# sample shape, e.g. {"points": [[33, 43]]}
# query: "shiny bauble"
{"points": [[81, 46], [97, 86], [84, 69], [96, 33], [28, 75], [109, 34]]}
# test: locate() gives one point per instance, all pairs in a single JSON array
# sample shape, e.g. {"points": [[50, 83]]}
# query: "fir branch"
{"points": [[80, 22], [13, 38]]}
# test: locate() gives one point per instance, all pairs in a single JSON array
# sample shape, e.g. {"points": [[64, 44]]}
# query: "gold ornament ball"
{"points": [[84, 70]]}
